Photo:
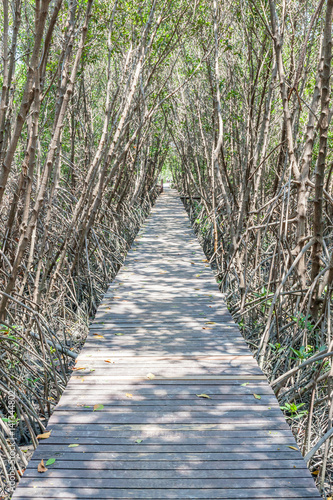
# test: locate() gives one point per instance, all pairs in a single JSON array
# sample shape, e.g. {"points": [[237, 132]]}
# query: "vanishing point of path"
{"points": [[167, 400]]}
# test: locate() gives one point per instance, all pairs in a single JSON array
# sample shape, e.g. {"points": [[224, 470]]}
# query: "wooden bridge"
{"points": [[167, 400]]}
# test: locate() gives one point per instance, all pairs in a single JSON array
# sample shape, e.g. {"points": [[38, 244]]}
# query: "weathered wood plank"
{"points": [[174, 483], [146, 465], [136, 493], [173, 473]]}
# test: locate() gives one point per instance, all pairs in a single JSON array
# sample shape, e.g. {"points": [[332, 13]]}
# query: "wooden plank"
{"points": [[138, 401], [164, 439], [221, 426], [163, 448], [169, 433], [195, 410], [91, 379], [173, 466], [173, 473], [229, 494], [174, 483], [99, 417]]}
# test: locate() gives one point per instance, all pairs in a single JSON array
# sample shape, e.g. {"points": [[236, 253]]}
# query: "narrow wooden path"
{"points": [[164, 406]]}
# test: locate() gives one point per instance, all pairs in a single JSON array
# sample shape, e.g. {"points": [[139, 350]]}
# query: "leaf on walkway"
{"points": [[210, 323], [97, 336], [50, 461], [293, 448], [108, 361], [41, 467], [256, 396], [45, 435], [138, 441], [128, 395], [98, 407], [246, 383], [151, 376], [203, 396], [79, 368], [119, 334], [73, 445]]}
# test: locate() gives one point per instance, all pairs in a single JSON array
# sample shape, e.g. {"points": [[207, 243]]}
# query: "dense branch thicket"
{"points": [[230, 98]]}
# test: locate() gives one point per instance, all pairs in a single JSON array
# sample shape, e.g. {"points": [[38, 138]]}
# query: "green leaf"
{"points": [[50, 461], [98, 407]]}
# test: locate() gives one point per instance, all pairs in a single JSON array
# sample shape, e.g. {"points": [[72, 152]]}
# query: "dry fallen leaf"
{"points": [[79, 368], [315, 473], [98, 336], [45, 435], [41, 467], [256, 396], [151, 376], [108, 361], [293, 448], [128, 395], [203, 396]]}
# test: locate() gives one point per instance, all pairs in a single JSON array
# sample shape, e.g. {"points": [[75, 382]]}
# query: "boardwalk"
{"points": [[170, 402]]}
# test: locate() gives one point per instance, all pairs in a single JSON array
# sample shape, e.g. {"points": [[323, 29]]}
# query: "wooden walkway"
{"points": [[170, 402]]}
